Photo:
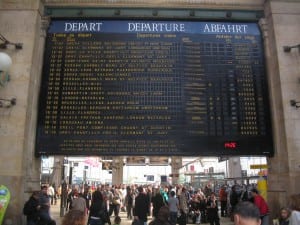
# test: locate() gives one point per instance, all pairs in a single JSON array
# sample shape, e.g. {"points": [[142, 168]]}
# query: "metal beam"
{"points": [[157, 13]]}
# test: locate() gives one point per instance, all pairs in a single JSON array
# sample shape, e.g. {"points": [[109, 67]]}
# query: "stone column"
{"points": [[279, 180], [32, 166], [176, 164], [117, 170], [234, 167]]}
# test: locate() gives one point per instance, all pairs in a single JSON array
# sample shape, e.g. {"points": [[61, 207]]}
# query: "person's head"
{"points": [[163, 213], [254, 192], [117, 220], [294, 202], [44, 189], [172, 193], [213, 196], [140, 189], [76, 193], [284, 213], [74, 217], [97, 196], [36, 194], [246, 213]]}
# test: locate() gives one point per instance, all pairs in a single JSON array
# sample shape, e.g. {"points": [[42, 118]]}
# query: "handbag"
{"points": [[116, 200]]}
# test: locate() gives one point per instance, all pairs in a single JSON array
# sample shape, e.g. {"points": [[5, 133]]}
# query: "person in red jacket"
{"points": [[223, 200], [261, 204]]}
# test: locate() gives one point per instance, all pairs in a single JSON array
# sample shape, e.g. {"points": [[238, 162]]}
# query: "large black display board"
{"points": [[153, 88]]}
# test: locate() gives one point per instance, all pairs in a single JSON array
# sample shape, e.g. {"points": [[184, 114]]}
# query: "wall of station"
{"points": [[26, 21]]}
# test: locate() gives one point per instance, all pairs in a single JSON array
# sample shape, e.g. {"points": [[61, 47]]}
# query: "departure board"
{"points": [[141, 87]]}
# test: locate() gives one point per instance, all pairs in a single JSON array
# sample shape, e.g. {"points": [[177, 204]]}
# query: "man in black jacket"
{"points": [[141, 207], [31, 209]]}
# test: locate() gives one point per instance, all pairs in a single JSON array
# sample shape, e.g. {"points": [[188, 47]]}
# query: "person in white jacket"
{"points": [[295, 207]]}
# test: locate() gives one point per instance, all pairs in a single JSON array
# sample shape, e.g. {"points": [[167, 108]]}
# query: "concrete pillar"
{"points": [[234, 167], [283, 78], [117, 171], [176, 164]]}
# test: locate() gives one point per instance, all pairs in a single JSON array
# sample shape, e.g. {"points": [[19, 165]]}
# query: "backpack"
{"points": [[27, 209]]}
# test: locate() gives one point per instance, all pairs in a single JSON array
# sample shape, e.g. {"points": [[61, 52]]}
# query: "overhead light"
{"points": [[5, 63], [7, 103], [6, 42], [295, 103], [289, 48]]}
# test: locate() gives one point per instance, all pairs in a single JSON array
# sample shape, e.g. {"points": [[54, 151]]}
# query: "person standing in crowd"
{"points": [[44, 212], [98, 211], [246, 213], [244, 196], [31, 209], [70, 197], [51, 194], [260, 202], [141, 207], [129, 202], [284, 217], [223, 201], [207, 190], [79, 203], [294, 203], [234, 199], [164, 192], [162, 217], [87, 195], [194, 211], [173, 204], [183, 206], [157, 201], [117, 220], [149, 194], [202, 207], [114, 201], [123, 190], [74, 217], [212, 210]]}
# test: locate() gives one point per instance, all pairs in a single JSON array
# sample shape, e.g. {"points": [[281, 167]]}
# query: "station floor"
{"points": [[56, 212]]}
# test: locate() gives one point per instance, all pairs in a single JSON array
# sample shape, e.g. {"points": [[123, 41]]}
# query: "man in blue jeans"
{"points": [[173, 204]]}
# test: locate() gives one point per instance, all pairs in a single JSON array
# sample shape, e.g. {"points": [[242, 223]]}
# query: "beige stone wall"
{"points": [[22, 21], [19, 169], [209, 4], [282, 28]]}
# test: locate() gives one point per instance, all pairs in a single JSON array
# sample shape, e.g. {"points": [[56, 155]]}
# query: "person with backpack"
{"points": [[44, 211], [31, 209]]}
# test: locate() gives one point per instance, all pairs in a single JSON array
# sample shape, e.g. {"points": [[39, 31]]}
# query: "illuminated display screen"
{"points": [[120, 87]]}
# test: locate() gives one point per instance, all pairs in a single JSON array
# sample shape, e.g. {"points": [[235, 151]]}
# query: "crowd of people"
{"points": [[168, 205]]}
